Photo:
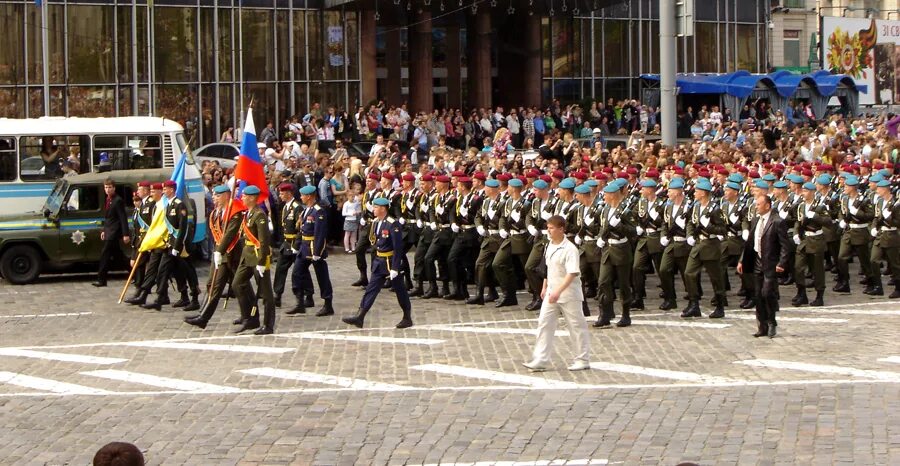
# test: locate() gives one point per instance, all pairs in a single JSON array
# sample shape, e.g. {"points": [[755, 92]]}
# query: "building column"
{"points": [[478, 35], [421, 84], [393, 93], [367, 62], [531, 69], [454, 67]]}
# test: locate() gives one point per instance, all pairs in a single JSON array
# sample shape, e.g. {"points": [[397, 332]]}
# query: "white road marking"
{"points": [[676, 323], [554, 462], [63, 314], [209, 347], [810, 320], [161, 382], [363, 338], [48, 385], [823, 368], [496, 376], [23, 353], [661, 373], [893, 359], [346, 382], [507, 330]]}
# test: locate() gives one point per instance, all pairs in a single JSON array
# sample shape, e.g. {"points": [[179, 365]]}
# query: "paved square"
{"points": [[78, 371]]}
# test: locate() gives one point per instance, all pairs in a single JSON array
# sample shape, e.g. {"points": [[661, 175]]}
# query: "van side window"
{"points": [[84, 199], [127, 152], [8, 170], [49, 157]]}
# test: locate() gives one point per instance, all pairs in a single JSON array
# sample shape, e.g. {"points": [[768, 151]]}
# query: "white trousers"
{"points": [[578, 329]]}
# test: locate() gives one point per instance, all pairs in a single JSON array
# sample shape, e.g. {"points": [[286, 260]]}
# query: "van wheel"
{"points": [[20, 264]]}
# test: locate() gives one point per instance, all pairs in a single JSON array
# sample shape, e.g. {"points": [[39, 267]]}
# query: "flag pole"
{"points": [[137, 262]]}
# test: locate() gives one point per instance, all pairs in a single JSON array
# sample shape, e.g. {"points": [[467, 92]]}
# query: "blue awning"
{"points": [[742, 83]]}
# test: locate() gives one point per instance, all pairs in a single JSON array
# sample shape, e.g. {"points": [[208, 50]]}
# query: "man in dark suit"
{"points": [[766, 255], [115, 227]]}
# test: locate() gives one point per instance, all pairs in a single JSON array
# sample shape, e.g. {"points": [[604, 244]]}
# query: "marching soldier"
{"points": [[704, 229], [226, 233], [733, 214], [290, 215], [784, 207], [441, 216], [362, 244], [465, 241], [830, 200], [487, 224], [387, 239], [312, 248], [140, 223], [152, 268], [616, 228], [515, 243], [588, 222], [674, 239], [176, 219], [423, 206], [256, 258], [811, 219], [567, 207], [409, 200], [648, 224], [887, 240], [855, 216], [541, 209]]}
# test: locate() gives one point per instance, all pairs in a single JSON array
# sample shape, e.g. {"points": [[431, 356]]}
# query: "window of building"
{"points": [[791, 48]]}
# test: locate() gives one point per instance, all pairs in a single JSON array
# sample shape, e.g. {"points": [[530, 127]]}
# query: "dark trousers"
{"points": [[620, 273], [362, 248], [892, 256], [534, 268], [380, 272], [803, 261], [285, 261], [505, 265], [667, 267], [168, 266], [438, 251], [186, 277], [151, 270], [140, 268], [246, 298], [462, 250], [767, 299], [301, 280], [642, 259], [110, 251], [862, 252], [224, 274]]}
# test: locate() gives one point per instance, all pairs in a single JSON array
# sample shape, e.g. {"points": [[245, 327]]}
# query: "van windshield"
{"points": [[56, 197]]}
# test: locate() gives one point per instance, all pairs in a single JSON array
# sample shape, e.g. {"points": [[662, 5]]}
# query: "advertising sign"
{"points": [[868, 50]]}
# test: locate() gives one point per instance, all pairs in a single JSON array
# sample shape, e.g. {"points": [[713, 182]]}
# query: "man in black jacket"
{"points": [[115, 227], [765, 254]]}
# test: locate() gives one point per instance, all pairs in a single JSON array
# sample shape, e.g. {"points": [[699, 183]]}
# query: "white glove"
{"points": [[504, 234], [261, 269], [797, 240], [546, 215], [691, 241], [532, 230], [294, 251], [588, 220], [402, 221], [432, 225], [745, 234], [515, 215], [578, 241], [886, 213], [679, 221], [600, 243], [463, 211], [842, 224], [874, 232], [316, 258], [810, 214], [394, 274], [704, 220], [217, 259], [782, 214], [271, 226], [733, 218], [615, 221], [640, 231], [425, 207], [410, 204], [370, 207], [419, 223], [439, 209], [852, 208], [481, 230], [362, 222], [664, 241], [175, 252], [454, 227], [654, 214]]}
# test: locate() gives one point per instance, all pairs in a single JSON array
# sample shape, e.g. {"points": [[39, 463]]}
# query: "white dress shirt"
{"points": [[757, 236]]}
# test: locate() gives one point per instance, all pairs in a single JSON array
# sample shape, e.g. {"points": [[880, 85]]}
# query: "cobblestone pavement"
{"points": [[77, 371]]}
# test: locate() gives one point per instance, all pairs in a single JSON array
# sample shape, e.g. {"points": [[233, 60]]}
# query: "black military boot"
{"points": [[357, 320], [183, 301], [801, 298], [327, 309], [278, 300], [299, 308], [895, 294], [668, 305], [625, 321], [842, 287], [432, 291], [591, 292], [308, 301], [876, 290], [445, 290], [406, 321], [478, 299], [157, 304], [194, 304], [249, 324], [637, 304], [492, 295], [363, 281], [139, 298], [748, 303], [196, 321], [535, 303], [417, 291], [818, 302], [509, 299], [719, 311], [692, 310]]}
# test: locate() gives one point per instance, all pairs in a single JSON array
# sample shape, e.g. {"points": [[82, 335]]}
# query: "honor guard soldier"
{"points": [[887, 240], [514, 247], [704, 232], [811, 219], [831, 200], [855, 216], [365, 219], [542, 208], [487, 224], [586, 241], [784, 207], [387, 239], [674, 239], [442, 209], [135, 233], [409, 201], [311, 248], [567, 206], [152, 267], [290, 216], [423, 207], [616, 229], [256, 258], [465, 241], [226, 233], [176, 220], [648, 224], [141, 219], [734, 211]]}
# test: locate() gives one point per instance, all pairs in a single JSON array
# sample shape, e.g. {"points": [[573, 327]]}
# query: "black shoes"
{"points": [[363, 281], [356, 321], [183, 301], [637, 305], [417, 291], [249, 324], [841, 287], [193, 305], [308, 301], [432, 292], [298, 309], [509, 299], [624, 322], [196, 321], [405, 323], [278, 301], [99, 283], [138, 299], [692, 310], [748, 303], [477, 300], [155, 305], [874, 291], [668, 305], [895, 294], [491, 296], [772, 331], [818, 302], [534, 305], [718, 313], [264, 331], [327, 309], [800, 299], [600, 323]]}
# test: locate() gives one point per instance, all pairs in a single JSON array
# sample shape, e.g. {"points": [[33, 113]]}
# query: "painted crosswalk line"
{"points": [[678, 323], [58, 314], [660, 373], [209, 347], [160, 382], [807, 320], [363, 338], [48, 385], [496, 330], [891, 359], [81, 358], [345, 382], [554, 462], [503, 377], [823, 369]]}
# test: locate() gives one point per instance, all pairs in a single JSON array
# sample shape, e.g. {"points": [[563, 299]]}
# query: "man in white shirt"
{"points": [[561, 293]]}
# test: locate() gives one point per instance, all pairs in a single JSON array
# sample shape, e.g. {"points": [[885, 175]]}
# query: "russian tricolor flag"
{"points": [[249, 169]]}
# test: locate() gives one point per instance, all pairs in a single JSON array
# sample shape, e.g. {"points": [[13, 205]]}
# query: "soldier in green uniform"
{"points": [[515, 243], [227, 234], [674, 239], [887, 240], [812, 217], [784, 207], [587, 219], [831, 200], [487, 224], [616, 229], [704, 230], [567, 207], [290, 215], [541, 209], [648, 225], [423, 206], [176, 220], [256, 258], [855, 216], [733, 214]]}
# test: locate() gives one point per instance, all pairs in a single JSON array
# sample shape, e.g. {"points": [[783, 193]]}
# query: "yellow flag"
{"points": [[156, 235]]}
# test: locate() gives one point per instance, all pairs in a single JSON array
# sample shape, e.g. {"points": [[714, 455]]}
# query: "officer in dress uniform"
{"points": [[362, 244], [442, 208], [674, 239], [648, 224], [855, 216], [422, 210], [226, 233], [409, 200], [784, 207], [256, 259], [567, 206], [176, 220], [465, 241], [487, 224], [887, 240], [140, 223], [704, 230], [616, 229], [733, 213], [290, 214], [542, 208], [311, 249], [387, 239], [515, 243], [588, 222], [811, 219], [830, 199]]}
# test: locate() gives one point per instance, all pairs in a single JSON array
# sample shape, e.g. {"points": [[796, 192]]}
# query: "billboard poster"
{"points": [[868, 50]]}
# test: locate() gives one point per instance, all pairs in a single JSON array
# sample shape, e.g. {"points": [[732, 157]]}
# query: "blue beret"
{"points": [[582, 189], [382, 201], [677, 183], [809, 186], [221, 189], [704, 185], [885, 173], [876, 178], [845, 175], [762, 184], [592, 183], [824, 178], [769, 177], [540, 184], [781, 184], [251, 190], [568, 183], [736, 178], [649, 184], [852, 181], [307, 190], [492, 183], [515, 183], [611, 188], [796, 179], [733, 185], [884, 184]]}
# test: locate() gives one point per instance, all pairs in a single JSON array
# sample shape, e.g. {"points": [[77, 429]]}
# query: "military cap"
{"points": [[770, 178], [592, 183], [388, 176], [568, 183], [579, 175], [649, 184], [809, 186], [156, 186], [540, 184], [307, 190], [582, 189], [504, 177], [796, 179], [252, 190], [170, 184], [884, 184], [409, 177], [876, 178], [374, 176], [824, 179], [761, 184], [221, 189], [516, 183], [382, 201], [736, 178], [144, 184], [464, 179], [733, 185], [286, 187], [781, 184], [494, 183], [479, 176], [703, 184], [443, 179], [677, 183], [852, 181], [611, 188], [427, 178]]}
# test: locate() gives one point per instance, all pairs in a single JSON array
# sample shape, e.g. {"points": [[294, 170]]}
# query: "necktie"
{"points": [[108, 202]]}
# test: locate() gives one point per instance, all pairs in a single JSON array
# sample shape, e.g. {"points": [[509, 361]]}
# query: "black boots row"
{"points": [[189, 304]]}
